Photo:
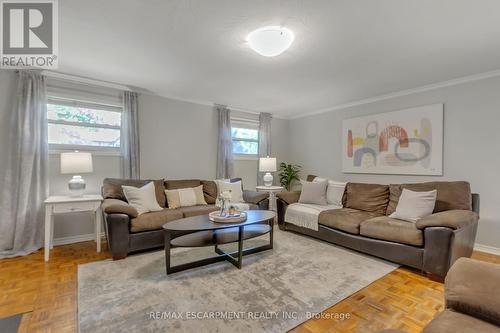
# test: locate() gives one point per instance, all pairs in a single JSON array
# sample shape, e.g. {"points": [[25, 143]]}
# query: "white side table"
{"points": [[272, 190], [66, 204]]}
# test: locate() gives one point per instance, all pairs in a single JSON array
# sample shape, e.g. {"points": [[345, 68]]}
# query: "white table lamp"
{"points": [[76, 163], [267, 165]]}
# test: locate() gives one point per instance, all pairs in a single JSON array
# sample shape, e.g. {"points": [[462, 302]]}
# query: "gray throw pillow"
{"points": [[314, 193]]}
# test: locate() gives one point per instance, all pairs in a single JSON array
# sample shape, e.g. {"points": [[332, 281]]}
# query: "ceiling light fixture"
{"points": [[270, 41]]}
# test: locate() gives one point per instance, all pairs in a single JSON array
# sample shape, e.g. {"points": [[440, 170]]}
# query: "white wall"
{"points": [[179, 141], [471, 144]]}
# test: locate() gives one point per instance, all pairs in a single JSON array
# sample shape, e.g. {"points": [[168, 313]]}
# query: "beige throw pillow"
{"points": [[314, 193], [185, 197], [412, 206], [142, 199]]}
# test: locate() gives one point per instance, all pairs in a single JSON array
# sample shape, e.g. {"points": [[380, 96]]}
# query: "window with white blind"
{"points": [[245, 136], [75, 124]]}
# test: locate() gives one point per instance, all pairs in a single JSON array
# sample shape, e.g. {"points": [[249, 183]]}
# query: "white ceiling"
{"points": [[344, 50]]}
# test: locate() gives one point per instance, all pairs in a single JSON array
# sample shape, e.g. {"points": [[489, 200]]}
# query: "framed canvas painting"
{"points": [[404, 142]]}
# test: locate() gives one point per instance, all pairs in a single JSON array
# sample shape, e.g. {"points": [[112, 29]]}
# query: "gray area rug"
{"points": [[273, 292], [10, 324]]}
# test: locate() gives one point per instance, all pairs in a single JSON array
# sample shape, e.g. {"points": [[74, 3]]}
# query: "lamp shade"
{"points": [[267, 164], [76, 163]]}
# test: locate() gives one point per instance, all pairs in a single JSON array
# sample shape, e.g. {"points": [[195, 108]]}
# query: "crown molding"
{"points": [[118, 86], [211, 104], [84, 80], [433, 86]]}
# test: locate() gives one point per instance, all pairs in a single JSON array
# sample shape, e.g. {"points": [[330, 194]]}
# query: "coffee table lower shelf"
{"points": [[215, 238]]}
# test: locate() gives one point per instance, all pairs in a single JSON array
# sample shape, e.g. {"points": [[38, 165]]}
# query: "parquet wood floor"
{"points": [[46, 293]]}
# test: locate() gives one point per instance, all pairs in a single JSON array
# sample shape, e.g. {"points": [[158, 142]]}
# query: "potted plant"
{"points": [[289, 173]]}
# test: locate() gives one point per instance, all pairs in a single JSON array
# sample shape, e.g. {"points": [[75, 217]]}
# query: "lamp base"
{"points": [[268, 179], [76, 186]]}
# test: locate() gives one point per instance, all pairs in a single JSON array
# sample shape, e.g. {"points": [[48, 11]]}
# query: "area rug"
{"points": [[10, 324], [273, 292]]}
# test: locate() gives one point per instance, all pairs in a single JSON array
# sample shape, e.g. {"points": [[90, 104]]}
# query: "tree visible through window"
{"points": [[245, 141], [83, 125]]}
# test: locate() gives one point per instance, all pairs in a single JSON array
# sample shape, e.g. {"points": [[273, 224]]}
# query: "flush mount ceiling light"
{"points": [[270, 41]]}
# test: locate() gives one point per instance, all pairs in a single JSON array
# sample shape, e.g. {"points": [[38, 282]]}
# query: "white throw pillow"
{"points": [[142, 199], [334, 191], [412, 206], [235, 188]]}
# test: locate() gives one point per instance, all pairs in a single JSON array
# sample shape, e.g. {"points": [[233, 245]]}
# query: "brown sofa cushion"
{"points": [[451, 321], [181, 183], [112, 189], [197, 210], [117, 206], [471, 287], [453, 219], [393, 230], [345, 219], [367, 197], [450, 195], [154, 220], [209, 191]]}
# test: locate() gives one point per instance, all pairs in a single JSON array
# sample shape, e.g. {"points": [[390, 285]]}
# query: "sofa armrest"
{"points": [[454, 219], [289, 197], [118, 233], [254, 197], [116, 206], [470, 288]]}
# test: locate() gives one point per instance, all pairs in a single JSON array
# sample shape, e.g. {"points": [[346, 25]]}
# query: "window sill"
{"points": [[58, 151], [245, 158]]}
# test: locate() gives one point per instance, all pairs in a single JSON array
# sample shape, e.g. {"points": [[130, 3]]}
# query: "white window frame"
{"points": [[250, 124], [95, 150]]}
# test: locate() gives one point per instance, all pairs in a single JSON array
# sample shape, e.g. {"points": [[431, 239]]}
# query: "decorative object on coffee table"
{"points": [[267, 165], [223, 200], [76, 163], [227, 218], [199, 231], [289, 173]]}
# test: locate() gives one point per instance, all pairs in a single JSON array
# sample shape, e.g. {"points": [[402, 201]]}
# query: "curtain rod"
{"points": [[84, 80]]}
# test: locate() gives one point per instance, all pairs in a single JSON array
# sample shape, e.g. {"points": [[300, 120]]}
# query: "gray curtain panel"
{"points": [[225, 167], [129, 139], [26, 184], [264, 140]]}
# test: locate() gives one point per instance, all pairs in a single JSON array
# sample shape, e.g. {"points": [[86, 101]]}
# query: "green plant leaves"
{"points": [[288, 174]]}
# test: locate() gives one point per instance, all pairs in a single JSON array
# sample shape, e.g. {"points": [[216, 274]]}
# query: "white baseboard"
{"points": [[75, 239], [487, 249]]}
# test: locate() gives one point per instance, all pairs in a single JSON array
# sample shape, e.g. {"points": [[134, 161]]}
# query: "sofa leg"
{"points": [[119, 256], [434, 277]]}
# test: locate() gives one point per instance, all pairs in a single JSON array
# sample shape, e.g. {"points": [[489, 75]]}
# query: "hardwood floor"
{"points": [[46, 293]]}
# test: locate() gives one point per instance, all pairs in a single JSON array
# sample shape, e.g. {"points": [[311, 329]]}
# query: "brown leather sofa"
{"points": [[127, 232], [472, 300], [432, 244]]}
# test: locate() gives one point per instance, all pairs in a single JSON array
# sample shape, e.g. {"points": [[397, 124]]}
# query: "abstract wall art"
{"points": [[406, 142]]}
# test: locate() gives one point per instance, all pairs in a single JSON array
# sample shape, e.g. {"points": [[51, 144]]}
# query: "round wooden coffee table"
{"points": [[199, 231]]}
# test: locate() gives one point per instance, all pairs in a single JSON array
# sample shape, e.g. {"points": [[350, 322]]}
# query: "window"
{"points": [[75, 124], [245, 138]]}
